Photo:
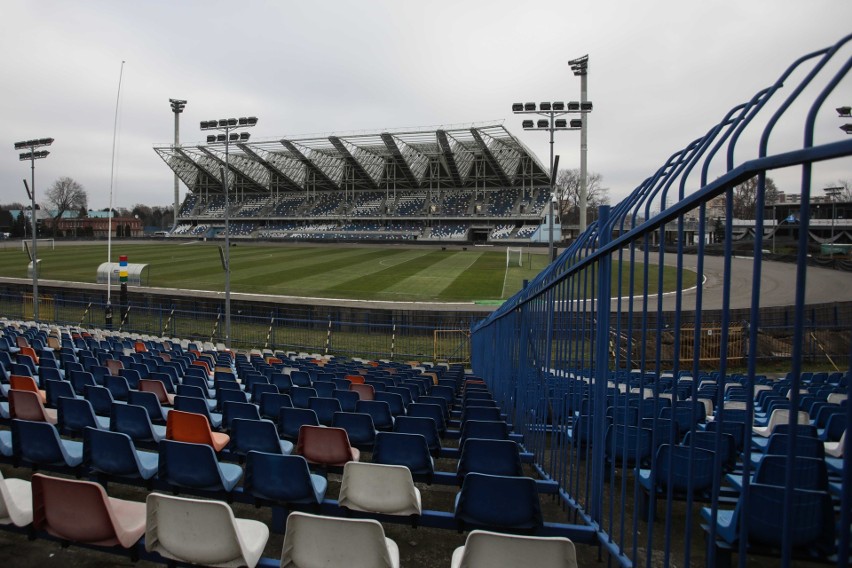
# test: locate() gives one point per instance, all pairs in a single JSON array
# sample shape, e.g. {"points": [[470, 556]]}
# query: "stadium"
{"points": [[478, 184], [644, 396]]}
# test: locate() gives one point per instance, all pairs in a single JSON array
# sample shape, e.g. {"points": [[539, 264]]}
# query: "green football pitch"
{"points": [[351, 272]]}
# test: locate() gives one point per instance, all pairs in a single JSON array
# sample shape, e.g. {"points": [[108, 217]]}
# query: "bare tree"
{"points": [[66, 195], [745, 197], [845, 186], [568, 194]]}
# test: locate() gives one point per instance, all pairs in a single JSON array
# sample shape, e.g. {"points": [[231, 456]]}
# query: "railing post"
{"points": [[601, 366]]}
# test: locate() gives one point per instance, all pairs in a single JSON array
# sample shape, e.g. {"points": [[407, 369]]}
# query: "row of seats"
{"points": [[704, 440], [207, 532]]}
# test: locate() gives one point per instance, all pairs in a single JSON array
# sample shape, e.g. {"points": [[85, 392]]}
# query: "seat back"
{"points": [[118, 386], [811, 517], [75, 414], [24, 383], [426, 427], [359, 427], [432, 411], [271, 404], [325, 408], [325, 446], [198, 531], [278, 478], [234, 410], [188, 427], [379, 488], [485, 429], [187, 464], [500, 501], [808, 473], [497, 550], [132, 420], [380, 411], [313, 540], [254, 435], [111, 453], [56, 389], [76, 510], [409, 450], [100, 398], [348, 399], [495, 457], [365, 392], [677, 466], [290, 420], [16, 502], [26, 405]]}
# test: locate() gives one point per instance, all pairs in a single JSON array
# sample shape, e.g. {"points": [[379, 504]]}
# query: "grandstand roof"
{"points": [[483, 156]]}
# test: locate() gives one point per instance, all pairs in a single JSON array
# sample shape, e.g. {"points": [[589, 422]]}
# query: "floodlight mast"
{"points": [[32, 156], [226, 125], [580, 67], [177, 108], [553, 124]]}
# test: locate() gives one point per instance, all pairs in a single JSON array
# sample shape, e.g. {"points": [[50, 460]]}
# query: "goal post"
{"points": [[48, 242], [514, 255]]}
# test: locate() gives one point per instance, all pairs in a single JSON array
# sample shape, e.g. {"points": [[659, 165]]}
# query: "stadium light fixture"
{"points": [[225, 127], [844, 111], [32, 155], [553, 121], [177, 108], [847, 128]]}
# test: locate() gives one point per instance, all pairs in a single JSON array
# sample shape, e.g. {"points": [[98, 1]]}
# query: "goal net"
{"points": [[514, 256], [46, 242]]}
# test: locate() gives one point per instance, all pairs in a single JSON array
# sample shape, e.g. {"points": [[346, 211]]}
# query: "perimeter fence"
{"points": [[628, 405]]}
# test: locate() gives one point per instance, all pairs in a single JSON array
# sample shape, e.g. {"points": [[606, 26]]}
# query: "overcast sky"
{"points": [[661, 72]]}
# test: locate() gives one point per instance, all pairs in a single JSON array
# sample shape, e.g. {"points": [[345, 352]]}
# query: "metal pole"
{"points": [[177, 188], [227, 248], [552, 177], [584, 146], [35, 240]]}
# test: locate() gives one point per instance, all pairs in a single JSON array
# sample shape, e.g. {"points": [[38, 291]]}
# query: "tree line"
{"points": [[66, 194]]}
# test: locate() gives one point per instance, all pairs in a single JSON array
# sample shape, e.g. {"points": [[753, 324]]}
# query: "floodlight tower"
{"points": [[177, 108], [227, 126], [553, 123], [32, 156], [580, 67]]}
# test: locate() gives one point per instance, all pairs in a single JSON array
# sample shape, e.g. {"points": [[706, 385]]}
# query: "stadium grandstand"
{"points": [[478, 184]]}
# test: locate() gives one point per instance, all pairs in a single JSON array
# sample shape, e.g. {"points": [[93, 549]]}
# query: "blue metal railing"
{"points": [[570, 366]]}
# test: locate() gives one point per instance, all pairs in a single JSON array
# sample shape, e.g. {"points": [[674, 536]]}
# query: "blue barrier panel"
{"points": [[612, 352]]}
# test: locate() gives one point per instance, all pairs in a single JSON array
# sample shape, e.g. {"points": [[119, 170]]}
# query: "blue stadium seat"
{"points": [[325, 409], [135, 421], [270, 405], [238, 410], [199, 406], [75, 414], [417, 425], [39, 444], [348, 399], [257, 435], [113, 454], [100, 398], [359, 427], [494, 457], [194, 466], [282, 479], [380, 412], [498, 502], [410, 450], [290, 420], [432, 411], [485, 429]]}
